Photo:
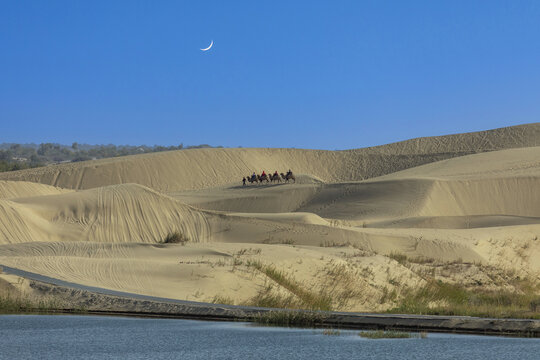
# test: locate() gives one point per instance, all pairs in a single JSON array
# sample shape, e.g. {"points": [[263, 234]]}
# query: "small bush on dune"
{"points": [[224, 300], [176, 238], [399, 257]]}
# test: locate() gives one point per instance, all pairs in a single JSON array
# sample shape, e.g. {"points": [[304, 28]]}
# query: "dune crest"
{"points": [[18, 189]]}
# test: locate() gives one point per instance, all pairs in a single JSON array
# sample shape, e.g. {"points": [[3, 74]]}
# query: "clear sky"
{"points": [[307, 74]]}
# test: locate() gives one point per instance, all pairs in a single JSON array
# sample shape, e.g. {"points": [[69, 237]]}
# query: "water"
{"points": [[96, 337]]}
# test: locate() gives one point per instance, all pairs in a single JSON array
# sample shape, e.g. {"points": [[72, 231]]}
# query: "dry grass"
{"points": [[176, 237], [272, 241], [21, 303], [491, 292], [224, 300], [404, 259], [297, 297], [248, 251], [440, 298], [332, 243], [392, 334], [331, 332], [343, 283]]}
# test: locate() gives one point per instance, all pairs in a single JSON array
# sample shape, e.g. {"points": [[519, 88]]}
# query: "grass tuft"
{"points": [[391, 334], [404, 259], [331, 332], [439, 298], [298, 297], [224, 300], [176, 237]]}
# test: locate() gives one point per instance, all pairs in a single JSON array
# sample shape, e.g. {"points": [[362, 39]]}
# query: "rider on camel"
{"points": [[263, 174]]}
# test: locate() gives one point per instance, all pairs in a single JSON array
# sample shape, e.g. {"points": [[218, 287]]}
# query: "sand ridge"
{"points": [[18, 189], [205, 168]]}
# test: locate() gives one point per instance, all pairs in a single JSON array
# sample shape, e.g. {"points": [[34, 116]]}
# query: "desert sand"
{"points": [[468, 205]]}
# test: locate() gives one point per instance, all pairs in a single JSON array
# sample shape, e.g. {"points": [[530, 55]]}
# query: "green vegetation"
{"points": [[10, 304], [176, 237], [270, 298], [272, 241], [391, 334], [439, 298], [509, 296], [403, 259], [331, 332], [290, 318], [298, 297], [17, 165], [341, 283], [18, 157], [225, 300]]}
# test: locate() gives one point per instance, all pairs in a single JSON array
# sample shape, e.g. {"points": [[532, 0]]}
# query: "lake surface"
{"points": [[99, 337]]}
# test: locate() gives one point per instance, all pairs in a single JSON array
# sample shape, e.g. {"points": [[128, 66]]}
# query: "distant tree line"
{"points": [[24, 156]]}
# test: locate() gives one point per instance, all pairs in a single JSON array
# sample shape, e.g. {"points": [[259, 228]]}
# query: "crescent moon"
{"points": [[208, 48]]}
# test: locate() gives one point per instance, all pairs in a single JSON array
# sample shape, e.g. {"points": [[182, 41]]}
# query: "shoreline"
{"points": [[98, 301]]}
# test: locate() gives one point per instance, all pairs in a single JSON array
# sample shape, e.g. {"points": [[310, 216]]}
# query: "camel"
{"points": [[288, 177], [275, 177], [251, 179], [263, 178]]}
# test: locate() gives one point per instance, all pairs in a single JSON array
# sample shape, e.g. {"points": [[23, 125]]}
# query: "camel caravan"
{"points": [[264, 177]]}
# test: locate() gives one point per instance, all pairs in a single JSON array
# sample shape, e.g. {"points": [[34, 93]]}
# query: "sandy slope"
{"points": [[18, 189], [500, 184], [476, 217], [117, 213], [203, 168]]}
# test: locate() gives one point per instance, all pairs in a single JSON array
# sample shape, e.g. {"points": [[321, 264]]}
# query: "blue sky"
{"points": [[304, 74]]}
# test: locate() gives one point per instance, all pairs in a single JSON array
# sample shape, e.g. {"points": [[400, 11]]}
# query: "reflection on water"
{"points": [[93, 337]]}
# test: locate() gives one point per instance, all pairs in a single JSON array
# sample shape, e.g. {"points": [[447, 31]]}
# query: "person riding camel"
{"points": [[253, 176], [263, 174], [276, 174], [289, 172]]}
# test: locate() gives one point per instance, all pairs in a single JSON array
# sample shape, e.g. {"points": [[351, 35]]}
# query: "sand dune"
{"points": [[504, 163], [449, 188], [473, 215], [118, 213], [18, 189], [204, 168], [361, 203], [455, 222]]}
